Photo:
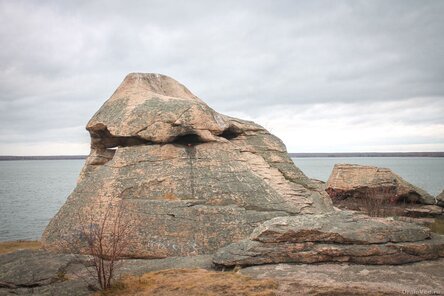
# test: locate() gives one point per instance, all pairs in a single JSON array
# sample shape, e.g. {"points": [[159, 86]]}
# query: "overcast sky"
{"points": [[325, 76]]}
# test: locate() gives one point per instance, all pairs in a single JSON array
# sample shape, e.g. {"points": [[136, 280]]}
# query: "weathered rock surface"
{"points": [[423, 211], [38, 272], [363, 182], [334, 237], [192, 179], [423, 278], [440, 199], [42, 273]]}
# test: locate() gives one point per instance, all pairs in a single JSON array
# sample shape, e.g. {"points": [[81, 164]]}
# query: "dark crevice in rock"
{"points": [[102, 138], [230, 133], [410, 198], [191, 151], [40, 283], [187, 140], [267, 208]]}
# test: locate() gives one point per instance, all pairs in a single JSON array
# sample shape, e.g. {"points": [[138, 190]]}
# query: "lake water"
{"points": [[32, 191]]}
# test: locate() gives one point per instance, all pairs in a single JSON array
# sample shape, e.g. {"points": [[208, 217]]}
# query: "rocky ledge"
{"points": [[334, 237]]}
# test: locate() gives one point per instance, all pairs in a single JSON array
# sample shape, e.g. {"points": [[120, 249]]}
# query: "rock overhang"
{"points": [[154, 108]]}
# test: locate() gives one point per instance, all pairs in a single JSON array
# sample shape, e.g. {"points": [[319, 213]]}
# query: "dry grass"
{"points": [[199, 282], [9, 247], [437, 226]]}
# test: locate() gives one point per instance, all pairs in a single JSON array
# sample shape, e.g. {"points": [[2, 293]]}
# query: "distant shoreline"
{"points": [[293, 155], [369, 154], [49, 157]]}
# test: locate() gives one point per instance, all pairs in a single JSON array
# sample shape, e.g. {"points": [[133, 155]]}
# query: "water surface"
{"points": [[32, 191]]}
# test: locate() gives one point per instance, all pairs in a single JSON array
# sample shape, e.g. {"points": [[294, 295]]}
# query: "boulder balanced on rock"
{"points": [[192, 179]]}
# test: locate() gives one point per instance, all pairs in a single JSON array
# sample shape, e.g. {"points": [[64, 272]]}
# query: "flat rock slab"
{"points": [[38, 272], [343, 227], [422, 278], [334, 237]]}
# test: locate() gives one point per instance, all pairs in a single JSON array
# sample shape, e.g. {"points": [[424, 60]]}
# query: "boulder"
{"points": [[351, 181], [341, 236], [192, 180], [38, 272], [440, 199]]}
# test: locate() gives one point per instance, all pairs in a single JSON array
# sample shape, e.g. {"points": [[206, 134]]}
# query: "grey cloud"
{"points": [[60, 60]]}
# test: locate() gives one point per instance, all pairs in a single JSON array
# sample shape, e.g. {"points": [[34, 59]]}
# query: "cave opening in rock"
{"points": [[102, 138], [188, 140], [230, 134]]}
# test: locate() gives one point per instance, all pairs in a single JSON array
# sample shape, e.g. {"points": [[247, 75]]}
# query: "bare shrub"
{"points": [[374, 207], [380, 202], [104, 233]]}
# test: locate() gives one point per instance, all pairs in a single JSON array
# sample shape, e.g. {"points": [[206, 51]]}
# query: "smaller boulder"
{"points": [[351, 181], [440, 199]]}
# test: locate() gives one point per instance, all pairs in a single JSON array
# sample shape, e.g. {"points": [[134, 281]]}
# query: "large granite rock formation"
{"points": [[361, 182], [192, 179], [341, 236]]}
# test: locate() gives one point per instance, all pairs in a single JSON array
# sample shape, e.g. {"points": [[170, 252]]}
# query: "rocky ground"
{"points": [[38, 272], [348, 279]]}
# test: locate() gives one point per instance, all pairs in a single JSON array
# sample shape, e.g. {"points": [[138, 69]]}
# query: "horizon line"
{"points": [[291, 154]]}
